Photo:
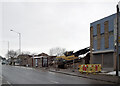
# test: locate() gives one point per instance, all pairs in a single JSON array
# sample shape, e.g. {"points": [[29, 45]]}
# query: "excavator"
{"points": [[69, 56]]}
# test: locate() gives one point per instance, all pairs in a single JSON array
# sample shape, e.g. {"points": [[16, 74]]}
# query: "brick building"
{"points": [[102, 40], [25, 60], [40, 60], [43, 60]]}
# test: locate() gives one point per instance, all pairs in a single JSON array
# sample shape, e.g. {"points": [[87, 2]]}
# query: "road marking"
{"points": [[29, 68], [54, 82], [9, 83], [23, 67], [52, 73]]}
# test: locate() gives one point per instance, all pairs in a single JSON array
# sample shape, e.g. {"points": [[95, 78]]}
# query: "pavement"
{"points": [[0, 81], [26, 75], [97, 76]]}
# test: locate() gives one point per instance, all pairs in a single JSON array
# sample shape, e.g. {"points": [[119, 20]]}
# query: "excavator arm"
{"points": [[70, 56]]}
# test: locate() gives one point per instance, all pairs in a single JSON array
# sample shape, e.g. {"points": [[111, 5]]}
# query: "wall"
{"points": [[102, 40], [39, 62], [102, 36], [105, 59]]}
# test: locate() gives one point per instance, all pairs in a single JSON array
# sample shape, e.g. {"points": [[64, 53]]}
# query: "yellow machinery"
{"points": [[70, 56]]}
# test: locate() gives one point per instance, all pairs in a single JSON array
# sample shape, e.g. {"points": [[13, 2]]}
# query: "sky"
{"points": [[46, 24]]}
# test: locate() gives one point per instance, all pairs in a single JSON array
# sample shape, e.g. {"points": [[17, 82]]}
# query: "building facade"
{"points": [[102, 42], [25, 60]]}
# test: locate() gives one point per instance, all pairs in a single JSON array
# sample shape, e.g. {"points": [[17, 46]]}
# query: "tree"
{"points": [[12, 54], [57, 51]]}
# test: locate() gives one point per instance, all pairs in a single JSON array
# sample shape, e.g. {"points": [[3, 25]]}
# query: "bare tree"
{"points": [[57, 51], [12, 54]]}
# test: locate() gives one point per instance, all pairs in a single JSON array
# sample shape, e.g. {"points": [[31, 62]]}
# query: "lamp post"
{"points": [[117, 44], [19, 40]]}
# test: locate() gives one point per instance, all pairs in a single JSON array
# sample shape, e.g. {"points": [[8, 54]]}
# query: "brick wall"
{"points": [[39, 62], [30, 62]]}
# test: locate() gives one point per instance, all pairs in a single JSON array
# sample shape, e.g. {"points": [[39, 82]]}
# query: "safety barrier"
{"points": [[90, 68]]}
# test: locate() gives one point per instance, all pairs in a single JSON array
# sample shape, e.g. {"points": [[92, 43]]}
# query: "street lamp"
{"points": [[19, 40], [117, 43]]}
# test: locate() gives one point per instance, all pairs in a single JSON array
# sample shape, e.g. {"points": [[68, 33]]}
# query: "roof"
{"points": [[113, 15], [24, 55], [43, 54]]}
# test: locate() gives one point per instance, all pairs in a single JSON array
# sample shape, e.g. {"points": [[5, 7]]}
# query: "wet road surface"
{"points": [[22, 75]]}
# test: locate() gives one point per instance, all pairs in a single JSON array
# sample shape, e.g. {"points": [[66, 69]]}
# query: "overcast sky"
{"points": [[46, 24]]}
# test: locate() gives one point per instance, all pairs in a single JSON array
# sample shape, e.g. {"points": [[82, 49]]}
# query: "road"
{"points": [[22, 75]]}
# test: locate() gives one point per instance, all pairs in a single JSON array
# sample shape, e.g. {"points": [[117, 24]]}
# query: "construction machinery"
{"points": [[69, 56]]}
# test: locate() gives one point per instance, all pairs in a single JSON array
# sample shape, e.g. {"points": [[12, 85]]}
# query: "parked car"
{"points": [[3, 62]]}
